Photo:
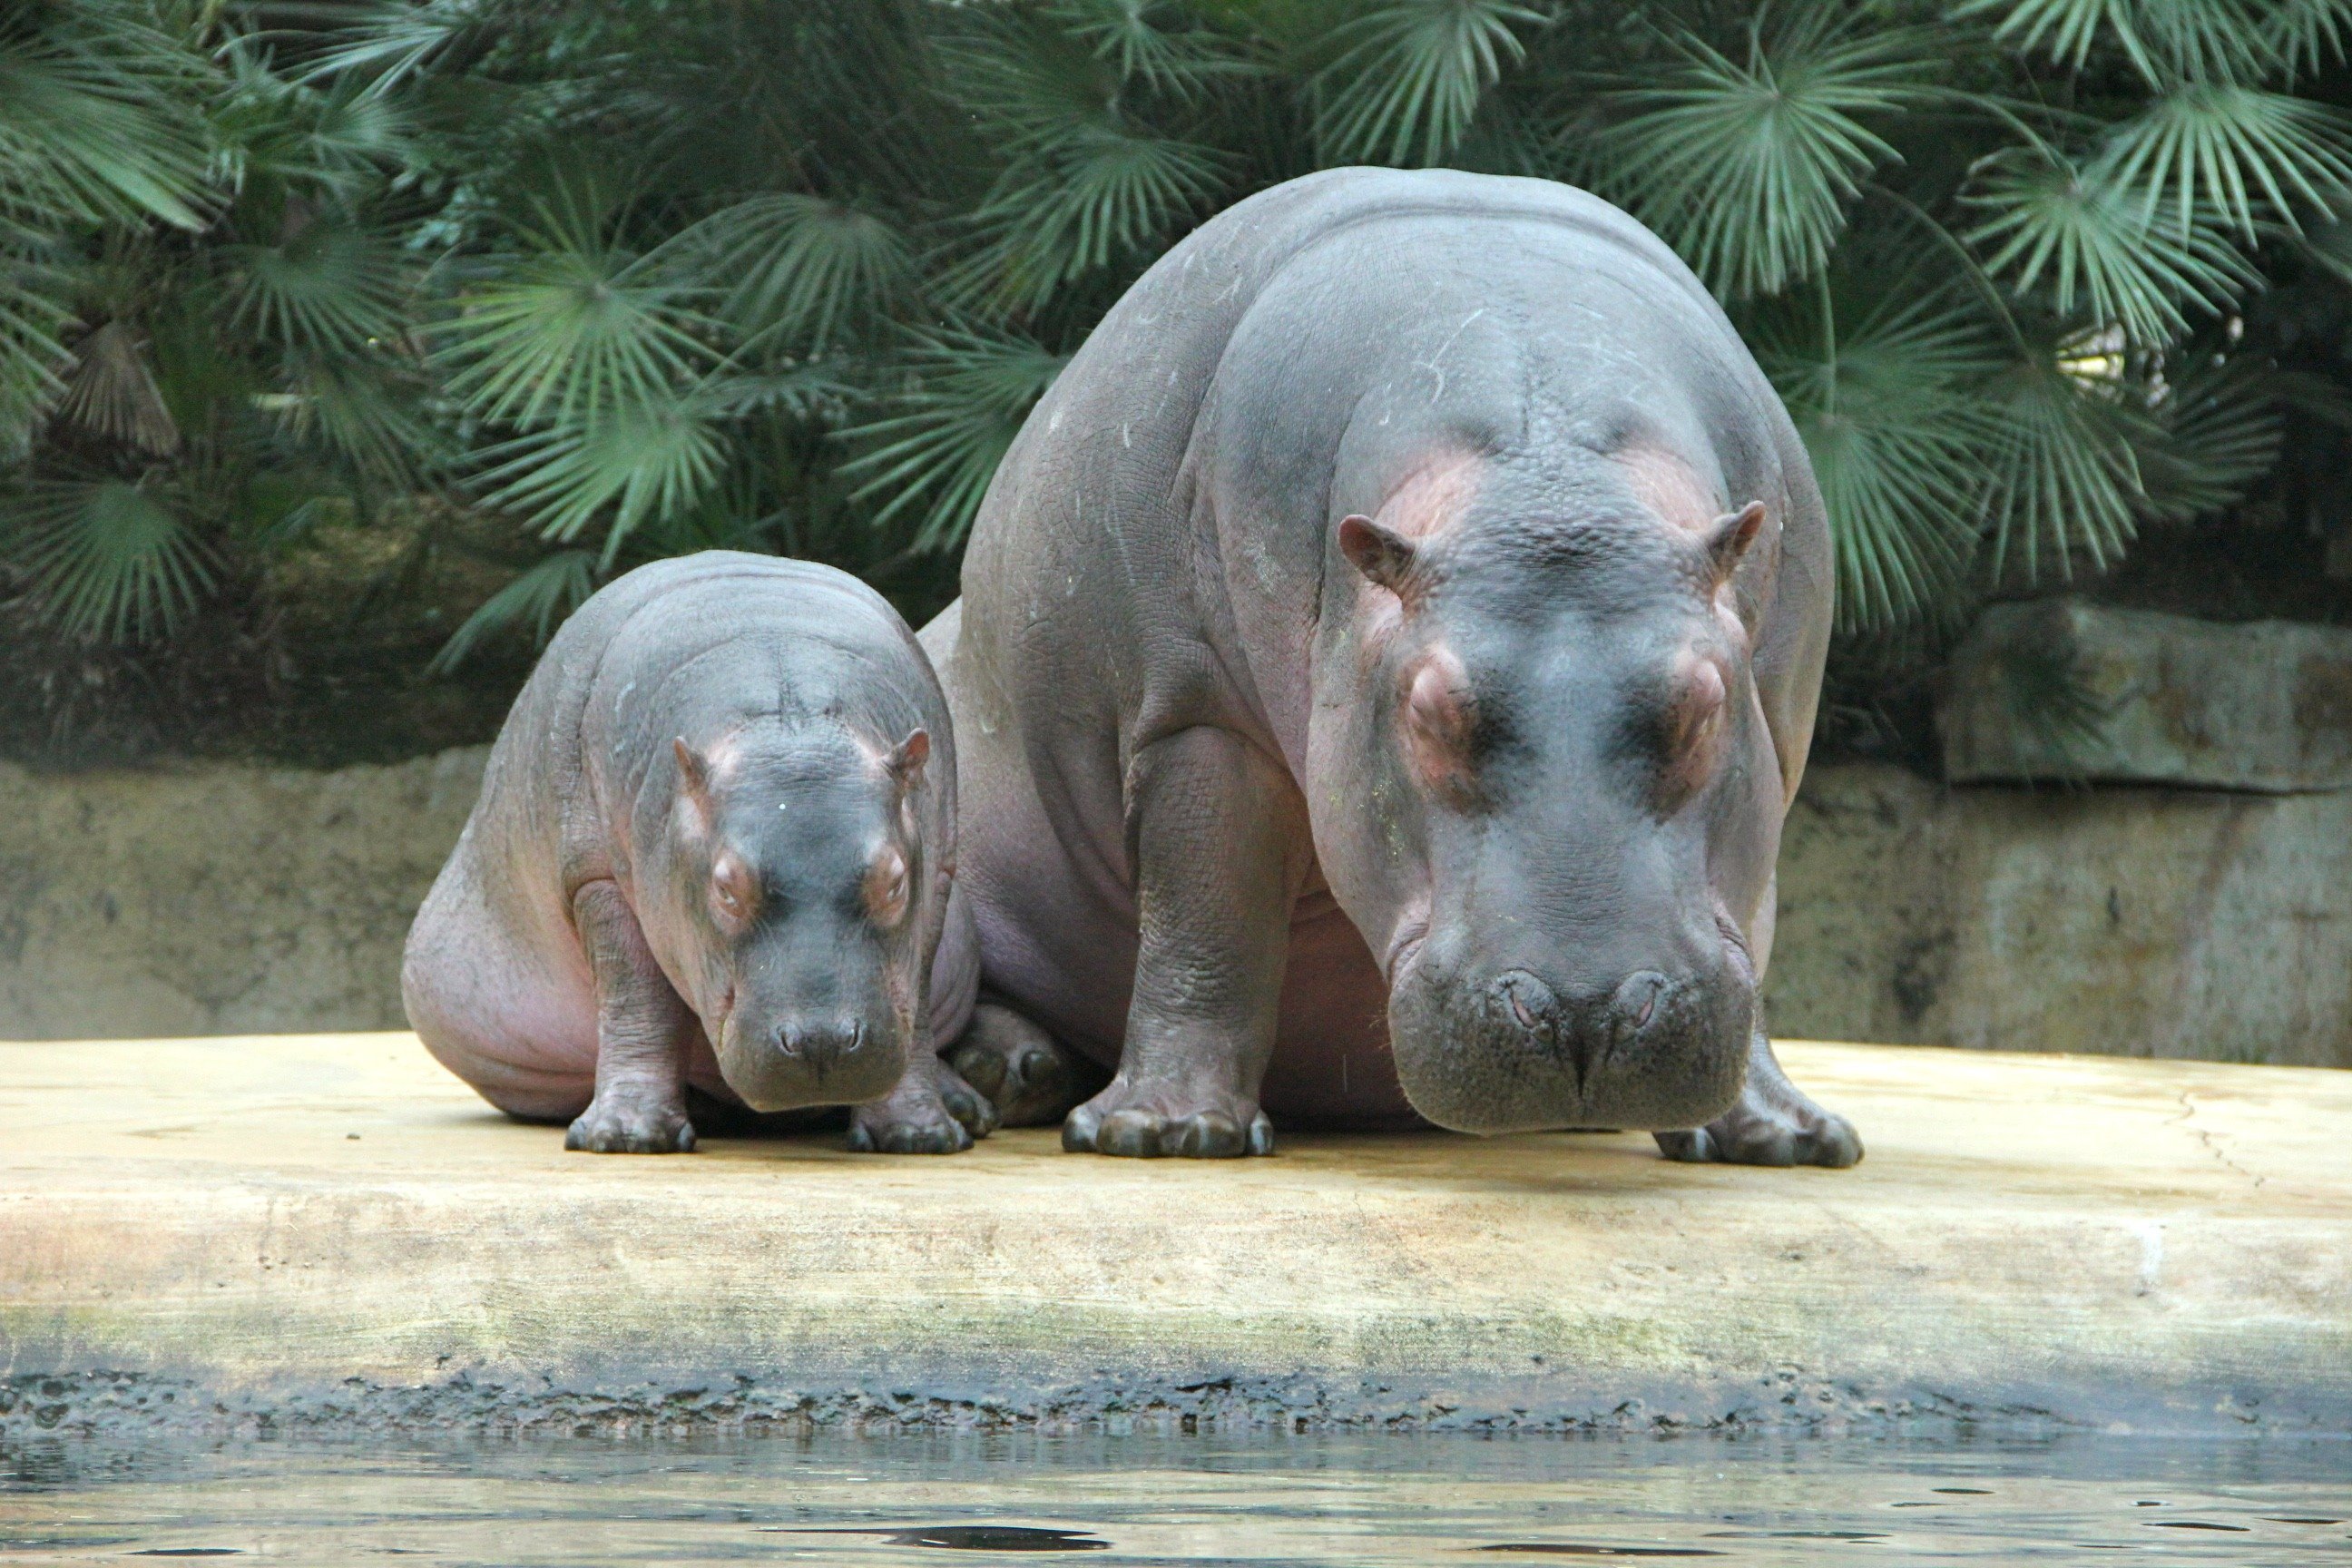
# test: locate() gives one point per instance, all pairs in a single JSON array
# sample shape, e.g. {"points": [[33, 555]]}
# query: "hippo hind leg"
{"points": [[1031, 1077], [1773, 1123], [932, 1111]]}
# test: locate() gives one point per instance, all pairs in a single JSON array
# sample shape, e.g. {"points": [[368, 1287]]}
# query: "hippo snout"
{"points": [[811, 1061], [1517, 1052]]}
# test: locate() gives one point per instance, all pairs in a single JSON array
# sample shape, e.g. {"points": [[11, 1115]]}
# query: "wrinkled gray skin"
{"points": [[1377, 694], [715, 849]]}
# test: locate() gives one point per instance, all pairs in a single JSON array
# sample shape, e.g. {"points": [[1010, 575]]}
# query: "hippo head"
{"points": [[797, 868], [1547, 712]]}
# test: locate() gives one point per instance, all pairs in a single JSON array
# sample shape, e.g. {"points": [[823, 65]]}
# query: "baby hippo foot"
{"points": [[1029, 1076], [1773, 1124], [1167, 1120], [628, 1120], [932, 1111]]}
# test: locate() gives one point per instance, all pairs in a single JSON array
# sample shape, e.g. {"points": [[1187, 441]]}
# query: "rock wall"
{"points": [[213, 900], [2127, 921], [225, 900]]}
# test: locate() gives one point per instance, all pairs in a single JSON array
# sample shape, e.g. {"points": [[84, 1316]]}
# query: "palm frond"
{"points": [[1747, 169], [98, 117], [613, 470], [2064, 466], [1083, 183], [1153, 42], [542, 594], [2166, 40], [2088, 240], [107, 557], [327, 286], [111, 391], [385, 43], [2306, 35], [2238, 154], [363, 413], [1409, 74], [571, 331], [2221, 428], [33, 321], [940, 446], [795, 267], [1892, 408]]}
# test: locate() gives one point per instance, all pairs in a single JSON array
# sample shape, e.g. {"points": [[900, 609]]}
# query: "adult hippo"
{"points": [[1385, 658]]}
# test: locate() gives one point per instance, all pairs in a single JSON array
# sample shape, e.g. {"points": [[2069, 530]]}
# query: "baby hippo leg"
{"points": [[932, 1111], [1029, 1076], [642, 1030]]}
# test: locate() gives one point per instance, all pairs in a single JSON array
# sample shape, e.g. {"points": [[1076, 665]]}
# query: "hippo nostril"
{"points": [[1531, 1001], [1637, 998]]}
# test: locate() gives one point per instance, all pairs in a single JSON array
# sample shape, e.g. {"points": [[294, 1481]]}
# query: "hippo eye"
{"points": [[886, 888], [734, 892]]}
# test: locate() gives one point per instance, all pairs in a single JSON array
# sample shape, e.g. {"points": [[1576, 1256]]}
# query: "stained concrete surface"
{"points": [[329, 1232]]}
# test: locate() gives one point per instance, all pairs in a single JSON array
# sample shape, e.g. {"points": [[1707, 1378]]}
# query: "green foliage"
{"points": [[646, 276]]}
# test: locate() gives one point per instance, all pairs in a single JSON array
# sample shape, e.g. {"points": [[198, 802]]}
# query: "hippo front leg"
{"points": [[932, 1111], [642, 1029], [1218, 829], [1774, 1123]]}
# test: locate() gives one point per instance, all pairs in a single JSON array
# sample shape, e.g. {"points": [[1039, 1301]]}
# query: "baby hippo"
{"points": [[715, 850]]}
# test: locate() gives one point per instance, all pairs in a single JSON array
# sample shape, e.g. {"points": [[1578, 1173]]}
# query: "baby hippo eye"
{"points": [[734, 891], [886, 889]]}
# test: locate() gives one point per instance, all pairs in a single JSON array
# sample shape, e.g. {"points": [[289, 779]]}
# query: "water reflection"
{"points": [[1276, 1499]]}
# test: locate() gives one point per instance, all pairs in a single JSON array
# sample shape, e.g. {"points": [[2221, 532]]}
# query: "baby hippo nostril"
{"points": [[822, 1046], [1637, 998], [1532, 1002]]}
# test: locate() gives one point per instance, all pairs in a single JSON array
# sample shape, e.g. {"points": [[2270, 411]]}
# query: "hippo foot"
{"points": [[1773, 1124], [622, 1123], [932, 1111], [1123, 1121], [1029, 1076]]}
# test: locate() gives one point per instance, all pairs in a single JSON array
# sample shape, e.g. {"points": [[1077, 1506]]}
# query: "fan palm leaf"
{"points": [[570, 334], [2166, 40], [795, 267], [941, 447], [2064, 466], [108, 558], [2088, 240], [2221, 428], [613, 470], [1747, 169], [1891, 407], [542, 595], [327, 286], [1407, 75], [99, 116], [2240, 154]]}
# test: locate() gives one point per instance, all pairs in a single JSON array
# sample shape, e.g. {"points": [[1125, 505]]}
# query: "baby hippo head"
{"points": [[800, 868]]}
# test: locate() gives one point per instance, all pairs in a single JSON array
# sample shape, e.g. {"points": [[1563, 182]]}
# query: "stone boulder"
{"points": [[2064, 691]]}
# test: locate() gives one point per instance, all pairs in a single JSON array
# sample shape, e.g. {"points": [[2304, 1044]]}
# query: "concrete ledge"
{"points": [[327, 1230]]}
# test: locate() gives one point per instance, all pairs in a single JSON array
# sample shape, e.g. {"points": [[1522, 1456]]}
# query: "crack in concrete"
{"points": [[2188, 1113]]}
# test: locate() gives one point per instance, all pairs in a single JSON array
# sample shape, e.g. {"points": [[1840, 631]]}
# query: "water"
{"points": [[1141, 1500]]}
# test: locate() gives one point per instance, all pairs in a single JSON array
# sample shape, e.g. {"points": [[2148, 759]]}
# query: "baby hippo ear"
{"points": [[1384, 557], [1731, 535], [906, 759], [694, 780]]}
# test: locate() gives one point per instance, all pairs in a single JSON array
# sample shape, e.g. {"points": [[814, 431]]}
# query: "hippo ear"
{"points": [[1384, 557], [694, 778], [1733, 532], [906, 759]]}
